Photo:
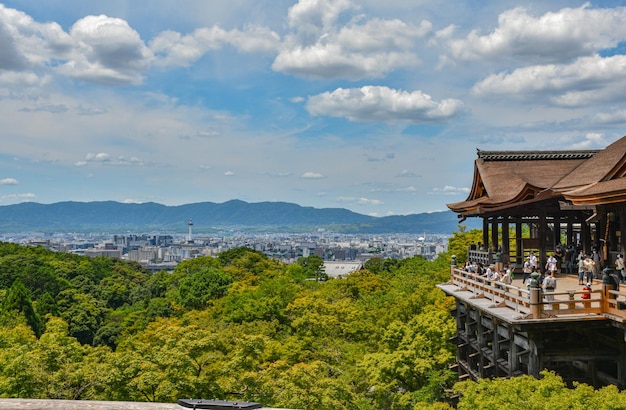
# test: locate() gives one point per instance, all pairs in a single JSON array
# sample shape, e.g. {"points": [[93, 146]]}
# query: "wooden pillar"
{"points": [[585, 236], [556, 232], [543, 229], [513, 353], [519, 258], [495, 346], [621, 366], [494, 234], [480, 338], [486, 232], [505, 240], [570, 233], [534, 356]]}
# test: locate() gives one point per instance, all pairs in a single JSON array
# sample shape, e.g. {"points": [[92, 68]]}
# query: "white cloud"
{"points": [[27, 44], [103, 158], [367, 201], [322, 48], [311, 175], [587, 81], [553, 37], [449, 190], [107, 51], [311, 15], [100, 49], [331, 61], [229, 173], [99, 157], [591, 140], [375, 103], [8, 181], [174, 49]]}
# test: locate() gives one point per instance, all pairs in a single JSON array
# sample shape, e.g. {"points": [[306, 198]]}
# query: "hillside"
{"points": [[110, 216]]}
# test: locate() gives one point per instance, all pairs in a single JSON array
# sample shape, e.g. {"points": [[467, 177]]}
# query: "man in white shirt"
{"points": [[533, 260]]}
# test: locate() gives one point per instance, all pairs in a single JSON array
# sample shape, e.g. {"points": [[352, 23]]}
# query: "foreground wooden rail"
{"points": [[604, 301]]}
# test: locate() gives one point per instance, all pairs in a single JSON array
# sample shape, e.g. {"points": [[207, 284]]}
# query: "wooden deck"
{"points": [[506, 331], [512, 303]]}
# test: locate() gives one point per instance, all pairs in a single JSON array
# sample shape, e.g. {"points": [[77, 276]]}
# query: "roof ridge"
{"points": [[535, 155]]}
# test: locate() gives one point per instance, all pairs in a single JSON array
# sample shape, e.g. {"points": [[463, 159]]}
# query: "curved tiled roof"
{"points": [[507, 178]]}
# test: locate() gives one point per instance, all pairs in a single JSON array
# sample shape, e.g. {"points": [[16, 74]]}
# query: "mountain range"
{"points": [[110, 216]]}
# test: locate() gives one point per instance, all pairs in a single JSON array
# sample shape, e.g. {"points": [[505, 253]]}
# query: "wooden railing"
{"points": [[536, 304]]}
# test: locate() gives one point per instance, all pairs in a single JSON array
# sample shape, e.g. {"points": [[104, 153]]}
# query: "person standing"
{"points": [[527, 270], [619, 267], [551, 264], [595, 256], [533, 260], [590, 268], [549, 285], [582, 269], [559, 254]]}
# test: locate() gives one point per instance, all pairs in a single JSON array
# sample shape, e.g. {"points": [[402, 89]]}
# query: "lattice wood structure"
{"points": [[579, 195], [506, 331]]}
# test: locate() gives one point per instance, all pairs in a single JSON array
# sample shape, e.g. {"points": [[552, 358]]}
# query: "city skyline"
{"points": [[373, 107]]}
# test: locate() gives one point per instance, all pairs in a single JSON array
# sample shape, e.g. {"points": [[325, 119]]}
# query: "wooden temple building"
{"points": [[534, 201]]}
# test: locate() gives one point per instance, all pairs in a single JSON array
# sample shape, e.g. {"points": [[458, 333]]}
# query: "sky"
{"points": [[377, 107]]}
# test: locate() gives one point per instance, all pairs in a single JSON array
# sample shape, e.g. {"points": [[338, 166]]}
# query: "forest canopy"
{"points": [[242, 326]]}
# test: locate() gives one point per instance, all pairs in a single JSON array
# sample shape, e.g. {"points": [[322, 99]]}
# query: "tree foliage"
{"points": [[245, 327]]}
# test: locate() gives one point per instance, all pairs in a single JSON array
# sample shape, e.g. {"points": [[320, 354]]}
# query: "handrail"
{"points": [[604, 301]]}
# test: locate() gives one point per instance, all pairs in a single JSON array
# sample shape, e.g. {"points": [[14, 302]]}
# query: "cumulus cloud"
{"points": [[8, 181], [554, 37], [100, 49], [312, 175], [174, 49], [362, 48], [107, 51], [587, 81], [27, 44], [377, 103]]}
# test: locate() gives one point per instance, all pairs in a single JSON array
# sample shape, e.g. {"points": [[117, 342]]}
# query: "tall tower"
{"points": [[189, 238]]}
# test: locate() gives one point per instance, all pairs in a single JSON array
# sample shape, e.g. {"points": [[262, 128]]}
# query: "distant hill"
{"points": [[110, 216]]}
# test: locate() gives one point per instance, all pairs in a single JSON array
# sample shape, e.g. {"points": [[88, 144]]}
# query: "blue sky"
{"points": [[377, 107]]}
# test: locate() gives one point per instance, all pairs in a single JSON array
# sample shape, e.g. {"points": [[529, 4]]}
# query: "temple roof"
{"points": [[508, 179]]}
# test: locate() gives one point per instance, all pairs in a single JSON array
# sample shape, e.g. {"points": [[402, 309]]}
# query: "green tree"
{"points": [[460, 241], [411, 363], [196, 290], [83, 313], [47, 305], [526, 392], [18, 300], [313, 267]]}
